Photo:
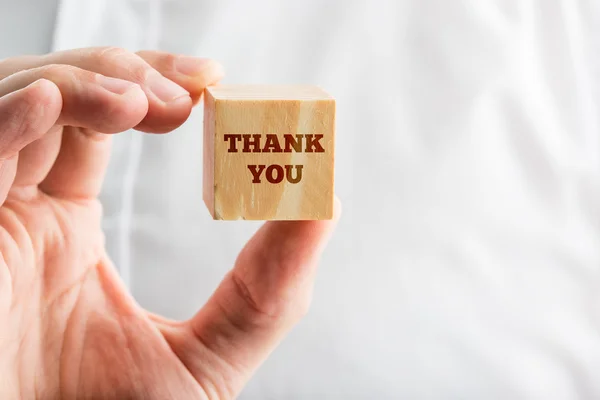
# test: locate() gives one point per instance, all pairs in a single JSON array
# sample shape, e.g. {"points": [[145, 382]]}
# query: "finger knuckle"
{"points": [[52, 70], [122, 60], [244, 293], [129, 65], [102, 54], [167, 61], [34, 97], [141, 72], [274, 306], [20, 124], [162, 61]]}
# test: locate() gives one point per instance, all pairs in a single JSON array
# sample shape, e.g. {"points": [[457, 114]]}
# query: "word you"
{"points": [[254, 143]]}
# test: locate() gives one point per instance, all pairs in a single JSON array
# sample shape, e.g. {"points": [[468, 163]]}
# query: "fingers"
{"points": [[169, 105], [192, 73], [81, 164], [37, 158], [257, 303], [85, 99], [25, 115], [89, 100], [93, 101], [80, 167], [166, 79]]}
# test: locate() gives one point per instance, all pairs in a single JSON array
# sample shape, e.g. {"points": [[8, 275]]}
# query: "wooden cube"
{"points": [[268, 152]]}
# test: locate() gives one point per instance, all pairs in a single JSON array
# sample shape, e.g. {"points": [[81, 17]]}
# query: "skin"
{"points": [[68, 327]]}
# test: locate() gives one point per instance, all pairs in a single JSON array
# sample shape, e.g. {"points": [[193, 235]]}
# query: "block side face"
{"points": [[208, 154], [274, 159], [314, 198]]}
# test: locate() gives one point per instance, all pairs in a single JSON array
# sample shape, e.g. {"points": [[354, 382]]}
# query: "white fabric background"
{"points": [[467, 263]]}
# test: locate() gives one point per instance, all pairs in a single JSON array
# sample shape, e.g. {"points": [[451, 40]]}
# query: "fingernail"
{"points": [[117, 86], [165, 89], [190, 66]]}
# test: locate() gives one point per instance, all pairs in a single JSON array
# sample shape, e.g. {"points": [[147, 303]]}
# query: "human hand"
{"points": [[68, 327]]}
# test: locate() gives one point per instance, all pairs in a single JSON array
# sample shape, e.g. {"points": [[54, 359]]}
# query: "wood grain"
{"points": [[295, 129]]}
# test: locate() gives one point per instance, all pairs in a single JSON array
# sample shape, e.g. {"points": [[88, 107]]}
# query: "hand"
{"points": [[68, 327]]}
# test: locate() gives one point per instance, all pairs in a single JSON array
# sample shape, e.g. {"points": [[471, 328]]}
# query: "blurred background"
{"points": [[467, 261]]}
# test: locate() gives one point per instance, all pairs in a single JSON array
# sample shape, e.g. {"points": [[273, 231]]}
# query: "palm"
{"points": [[66, 321], [68, 326]]}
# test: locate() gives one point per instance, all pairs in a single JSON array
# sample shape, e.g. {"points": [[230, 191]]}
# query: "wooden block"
{"points": [[268, 152]]}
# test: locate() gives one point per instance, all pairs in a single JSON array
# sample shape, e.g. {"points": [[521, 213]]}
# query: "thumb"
{"points": [[258, 302]]}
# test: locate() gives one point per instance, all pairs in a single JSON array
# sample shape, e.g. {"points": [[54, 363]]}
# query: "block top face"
{"points": [[268, 92]]}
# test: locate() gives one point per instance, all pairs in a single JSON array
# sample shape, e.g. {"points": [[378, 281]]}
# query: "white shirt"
{"points": [[467, 261]]}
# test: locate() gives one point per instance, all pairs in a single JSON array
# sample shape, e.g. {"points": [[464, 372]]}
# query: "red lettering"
{"points": [[232, 142], [288, 173], [293, 142], [251, 140], [310, 143], [270, 174], [272, 143], [256, 170]]}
